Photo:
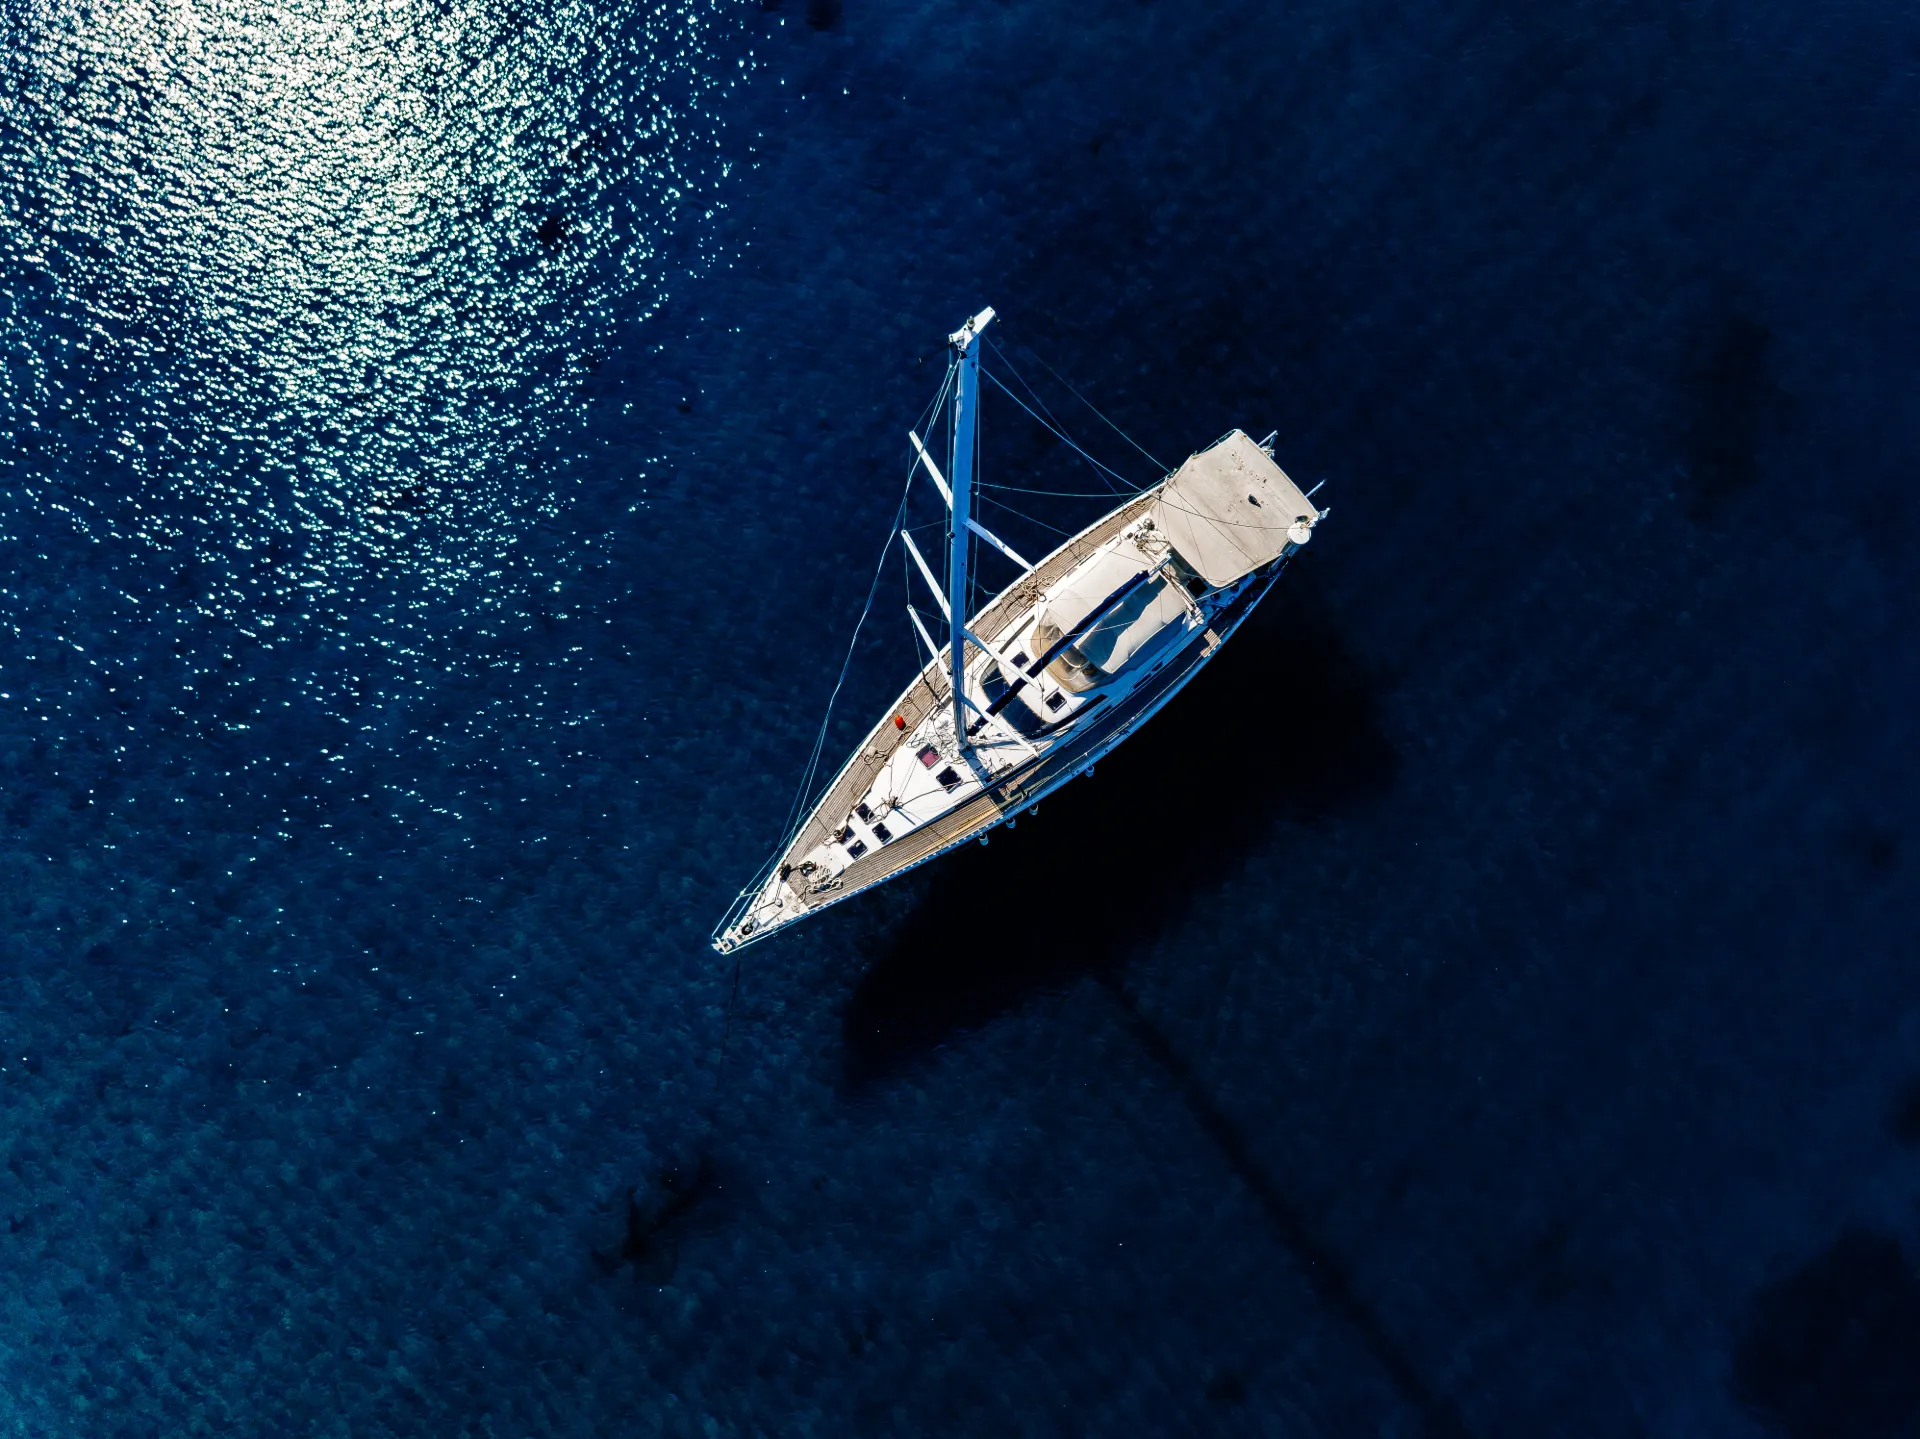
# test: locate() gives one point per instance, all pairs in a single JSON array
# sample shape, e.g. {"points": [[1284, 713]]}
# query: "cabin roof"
{"points": [[1227, 509]]}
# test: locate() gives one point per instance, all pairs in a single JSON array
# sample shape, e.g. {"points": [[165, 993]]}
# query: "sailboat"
{"points": [[1061, 665]]}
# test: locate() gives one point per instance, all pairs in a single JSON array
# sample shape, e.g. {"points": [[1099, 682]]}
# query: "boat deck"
{"points": [[929, 691], [1025, 784]]}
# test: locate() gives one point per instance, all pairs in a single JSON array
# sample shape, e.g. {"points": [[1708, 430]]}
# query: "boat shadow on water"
{"points": [[1280, 727]]}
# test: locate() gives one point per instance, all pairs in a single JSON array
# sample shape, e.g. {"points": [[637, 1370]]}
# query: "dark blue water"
{"points": [[442, 450]]}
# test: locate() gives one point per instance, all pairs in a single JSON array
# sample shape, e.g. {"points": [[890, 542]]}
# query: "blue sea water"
{"points": [[443, 448]]}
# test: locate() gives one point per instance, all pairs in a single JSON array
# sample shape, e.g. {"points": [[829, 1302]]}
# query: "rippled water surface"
{"points": [[299, 301], [442, 451]]}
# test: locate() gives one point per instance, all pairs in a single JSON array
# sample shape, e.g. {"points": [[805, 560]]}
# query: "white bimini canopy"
{"points": [[1229, 510]]}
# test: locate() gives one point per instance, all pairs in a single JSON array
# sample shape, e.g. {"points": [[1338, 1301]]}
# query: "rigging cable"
{"points": [[1085, 401], [794, 814], [1056, 494], [1028, 518], [1034, 395], [813, 760], [1061, 435]]}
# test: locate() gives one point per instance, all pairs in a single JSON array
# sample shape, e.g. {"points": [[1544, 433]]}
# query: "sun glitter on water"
{"points": [[294, 290]]}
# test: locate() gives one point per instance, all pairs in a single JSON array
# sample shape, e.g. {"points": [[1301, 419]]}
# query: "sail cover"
{"points": [[1132, 625], [1083, 589], [1227, 510]]}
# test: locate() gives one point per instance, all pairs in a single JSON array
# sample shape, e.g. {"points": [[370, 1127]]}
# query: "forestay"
{"points": [[1230, 509]]}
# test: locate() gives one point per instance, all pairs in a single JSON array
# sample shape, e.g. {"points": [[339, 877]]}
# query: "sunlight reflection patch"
{"points": [[307, 286]]}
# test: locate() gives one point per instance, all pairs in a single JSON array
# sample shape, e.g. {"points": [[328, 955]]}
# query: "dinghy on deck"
{"points": [[1058, 668]]}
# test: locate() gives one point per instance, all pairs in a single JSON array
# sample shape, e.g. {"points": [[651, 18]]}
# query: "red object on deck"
{"points": [[899, 721]]}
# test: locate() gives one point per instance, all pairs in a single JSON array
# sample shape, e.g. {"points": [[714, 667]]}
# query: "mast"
{"points": [[966, 421]]}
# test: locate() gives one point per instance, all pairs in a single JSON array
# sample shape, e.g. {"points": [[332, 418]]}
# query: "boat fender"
{"points": [[985, 837]]}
